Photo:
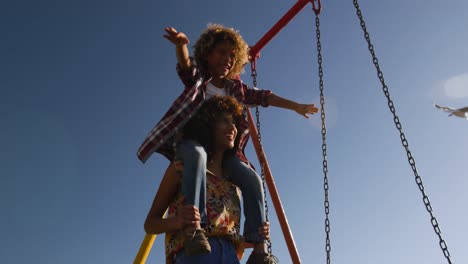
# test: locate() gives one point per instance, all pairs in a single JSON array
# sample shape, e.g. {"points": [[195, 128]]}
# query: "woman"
{"points": [[214, 127]]}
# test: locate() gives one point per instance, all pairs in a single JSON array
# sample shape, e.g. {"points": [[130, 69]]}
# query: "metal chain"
{"points": [[257, 115], [404, 142], [324, 142]]}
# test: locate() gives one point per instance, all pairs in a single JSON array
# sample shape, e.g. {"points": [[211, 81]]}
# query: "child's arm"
{"points": [[302, 109], [250, 96], [180, 40], [186, 214]]}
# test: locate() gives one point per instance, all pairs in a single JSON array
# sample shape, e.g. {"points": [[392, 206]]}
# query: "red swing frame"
{"points": [[254, 55]]}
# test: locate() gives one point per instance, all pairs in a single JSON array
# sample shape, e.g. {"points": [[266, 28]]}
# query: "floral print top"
{"points": [[223, 211]]}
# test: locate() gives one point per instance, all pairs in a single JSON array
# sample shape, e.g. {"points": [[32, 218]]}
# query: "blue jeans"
{"points": [[222, 251], [250, 183], [194, 157]]}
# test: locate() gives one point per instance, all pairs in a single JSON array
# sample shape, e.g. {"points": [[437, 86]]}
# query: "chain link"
{"points": [[324, 141], [404, 142], [257, 116]]}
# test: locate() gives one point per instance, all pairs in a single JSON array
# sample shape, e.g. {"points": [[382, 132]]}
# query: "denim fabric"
{"points": [[250, 183], [240, 173], [222, 251], [194, 158]]}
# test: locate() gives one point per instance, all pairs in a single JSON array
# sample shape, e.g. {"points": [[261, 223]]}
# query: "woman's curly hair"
{"points": [[215, 34], [201, 126]]}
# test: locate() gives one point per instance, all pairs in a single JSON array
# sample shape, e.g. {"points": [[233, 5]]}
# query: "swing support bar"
{"points": [[273, 192], [255, 50], [145, 249], [254, 55]]}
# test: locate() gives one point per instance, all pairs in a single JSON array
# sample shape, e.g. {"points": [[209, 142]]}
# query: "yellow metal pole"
{"points": [[145, 249]]}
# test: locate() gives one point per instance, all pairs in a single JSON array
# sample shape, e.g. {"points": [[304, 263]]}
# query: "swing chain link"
{"points": [[324, 142], [257, 116], [404, 142]]}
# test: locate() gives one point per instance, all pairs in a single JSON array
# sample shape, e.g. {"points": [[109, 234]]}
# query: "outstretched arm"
{"points": [[302, 109], [180, 40]]}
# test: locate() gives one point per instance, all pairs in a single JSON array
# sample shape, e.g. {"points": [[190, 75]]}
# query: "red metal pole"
{"points": [[274, 193], [254, 54], [277, 27]]}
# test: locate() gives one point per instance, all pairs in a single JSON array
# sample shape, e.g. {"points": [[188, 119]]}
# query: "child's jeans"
{"points": [[222, 251], [194, 157], [242, 175]]}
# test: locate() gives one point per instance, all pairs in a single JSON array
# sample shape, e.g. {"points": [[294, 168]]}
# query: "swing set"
{"points": [[266, 174]]}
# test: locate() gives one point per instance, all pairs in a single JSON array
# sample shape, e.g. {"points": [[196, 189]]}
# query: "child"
{"points": [[220, 54]]}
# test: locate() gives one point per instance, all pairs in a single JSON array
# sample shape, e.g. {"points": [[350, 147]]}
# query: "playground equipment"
{"points": [[256, 139]]}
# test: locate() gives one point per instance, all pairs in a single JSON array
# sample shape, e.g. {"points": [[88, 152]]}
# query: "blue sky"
{"points": [[83, 82]]}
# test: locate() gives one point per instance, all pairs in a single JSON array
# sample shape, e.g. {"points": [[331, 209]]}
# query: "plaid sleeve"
{"points": [[255, 96], [188, 76]]}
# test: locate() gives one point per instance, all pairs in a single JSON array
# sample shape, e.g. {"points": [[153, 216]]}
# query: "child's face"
{"points": [[225, 131], [221, 60]]}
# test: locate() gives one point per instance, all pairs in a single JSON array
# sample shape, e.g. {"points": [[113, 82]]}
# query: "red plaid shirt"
{"points": [[162, 137]]}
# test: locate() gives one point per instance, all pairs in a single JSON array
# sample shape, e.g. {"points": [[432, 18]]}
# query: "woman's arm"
{"points": [[187, 214]]}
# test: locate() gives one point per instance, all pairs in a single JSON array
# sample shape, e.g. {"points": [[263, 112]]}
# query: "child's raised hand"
{"points": [[305, 109], [177, 38]]}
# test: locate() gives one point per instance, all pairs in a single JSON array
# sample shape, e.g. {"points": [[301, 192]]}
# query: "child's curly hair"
{"points": [[201, 126], [215, 34]]}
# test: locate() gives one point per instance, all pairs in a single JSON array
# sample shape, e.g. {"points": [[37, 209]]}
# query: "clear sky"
{"points": [[83, 82]]}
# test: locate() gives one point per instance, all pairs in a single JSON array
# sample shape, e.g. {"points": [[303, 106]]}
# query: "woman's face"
{"points": [[225, 132]]}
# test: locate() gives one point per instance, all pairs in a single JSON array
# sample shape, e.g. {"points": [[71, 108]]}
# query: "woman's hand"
{"points": [[264, 230], [188, 216]]}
